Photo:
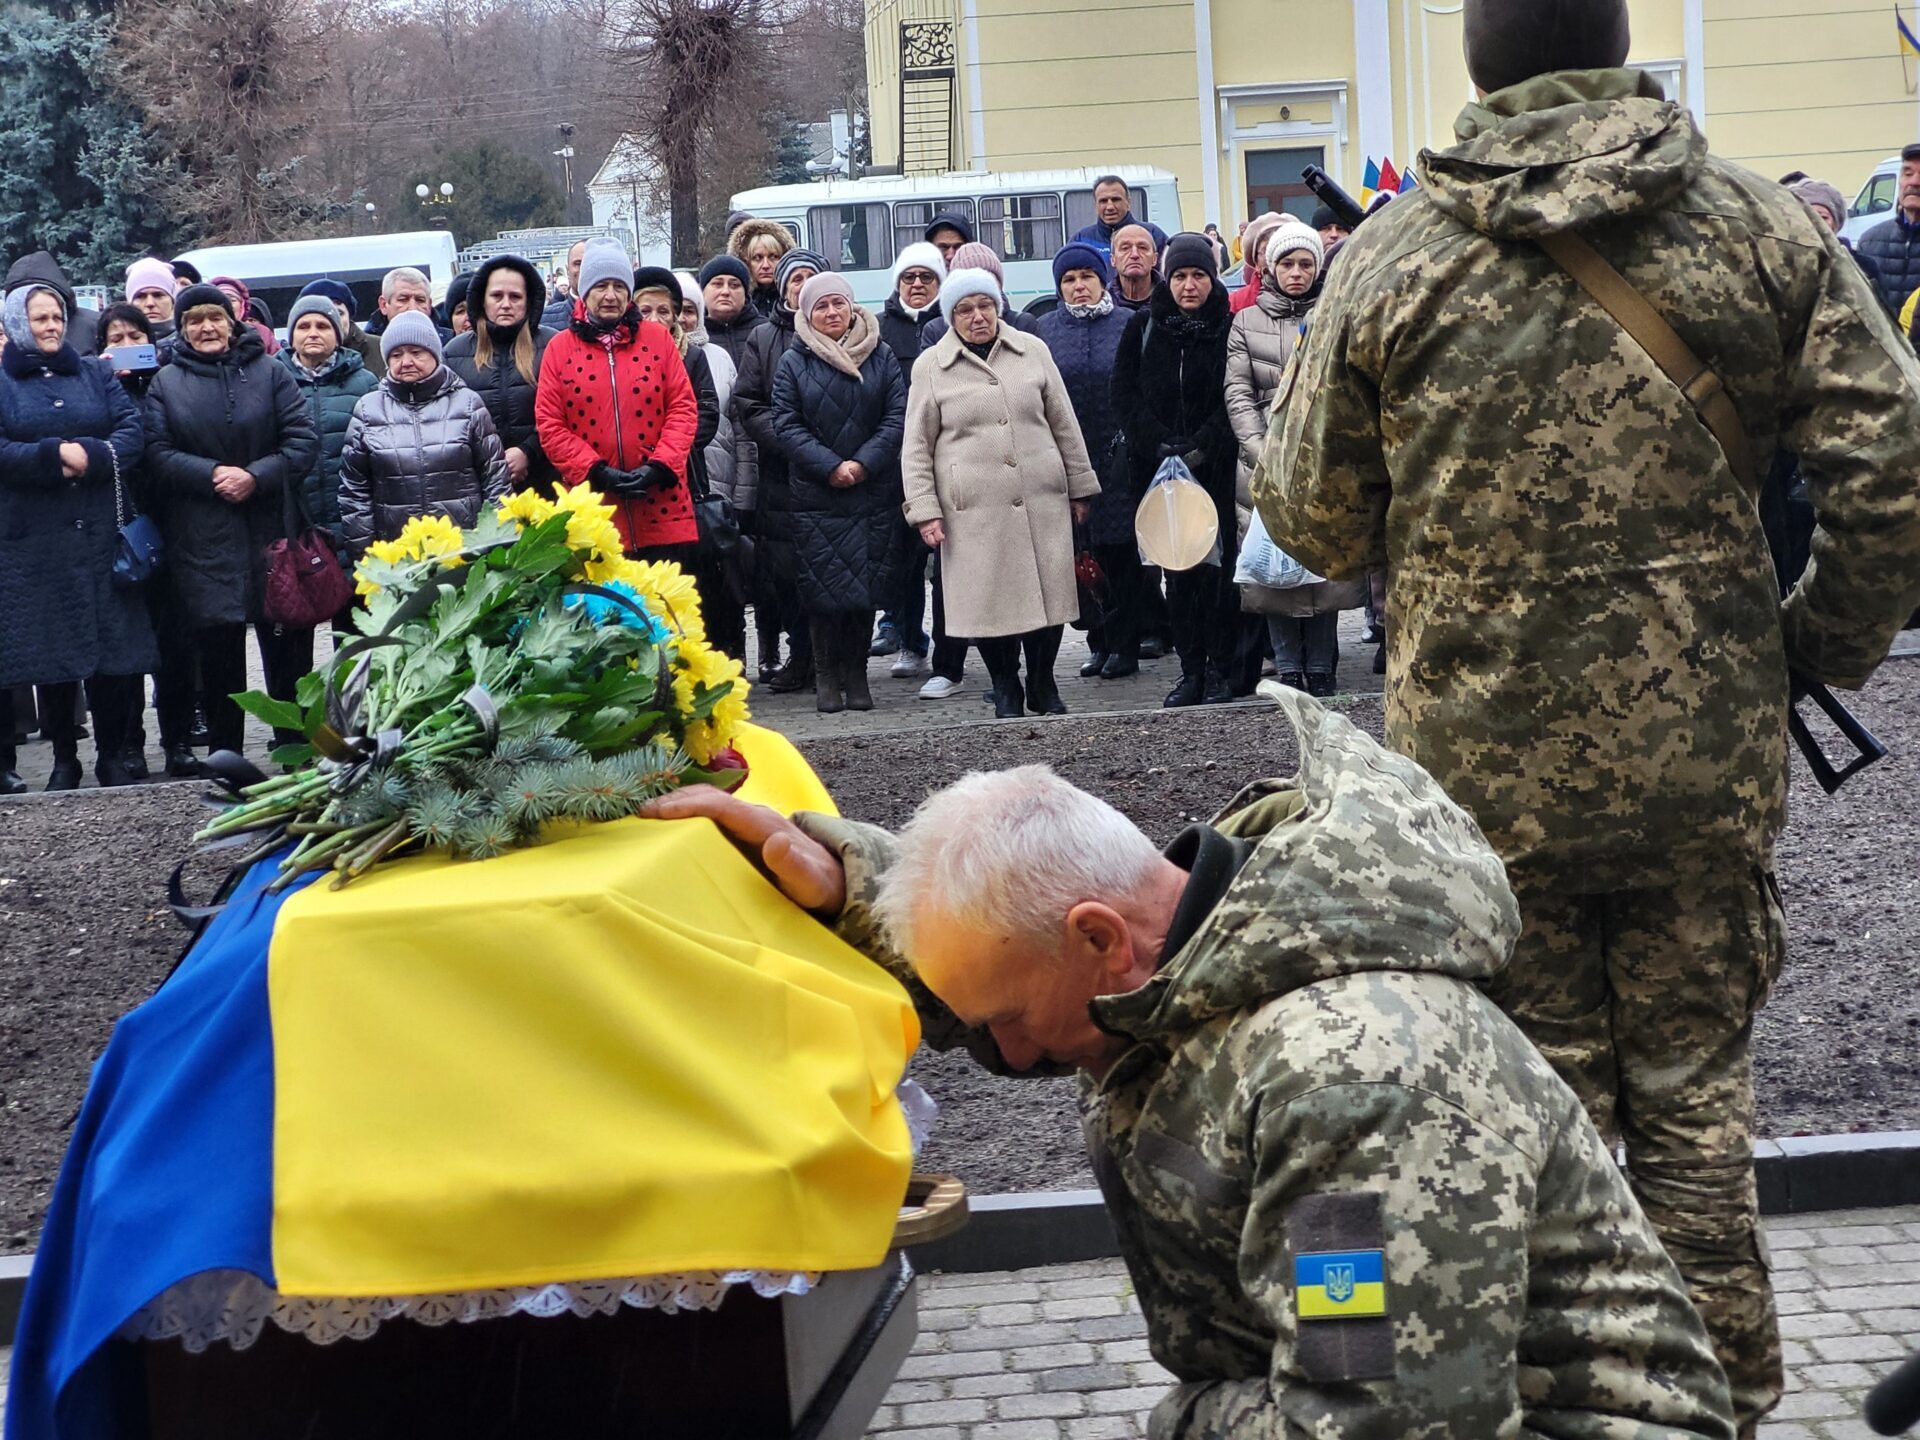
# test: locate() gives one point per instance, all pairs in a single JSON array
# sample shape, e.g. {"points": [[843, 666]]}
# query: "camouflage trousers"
{"points": [[1643, 1000]]}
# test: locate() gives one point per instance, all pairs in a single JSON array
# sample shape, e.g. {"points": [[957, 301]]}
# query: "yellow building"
{"points": [[1235, 96]]}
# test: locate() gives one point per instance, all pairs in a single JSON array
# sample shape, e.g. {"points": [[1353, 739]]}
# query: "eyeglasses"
{"points": [[919, 277]]}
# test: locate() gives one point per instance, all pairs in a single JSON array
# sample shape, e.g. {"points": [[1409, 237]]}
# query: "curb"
{"points": [[1797, 1175]]}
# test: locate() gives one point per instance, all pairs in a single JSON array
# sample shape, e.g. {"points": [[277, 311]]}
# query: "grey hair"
{"points": [[403, 274], [1010, 852]]}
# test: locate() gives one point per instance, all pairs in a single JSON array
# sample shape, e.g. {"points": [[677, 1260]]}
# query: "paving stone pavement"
{"points": [[1060, 1352]]}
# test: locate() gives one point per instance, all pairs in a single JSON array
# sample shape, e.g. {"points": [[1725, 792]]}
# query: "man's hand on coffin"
{"points": [[806, 871]]}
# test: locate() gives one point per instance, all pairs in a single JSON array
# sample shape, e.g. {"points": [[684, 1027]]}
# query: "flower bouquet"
{"points": [[515, 673]]}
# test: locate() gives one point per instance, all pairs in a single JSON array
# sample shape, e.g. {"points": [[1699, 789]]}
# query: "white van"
{"points": [[279, 271], [1874, 205], [1026, 216]]}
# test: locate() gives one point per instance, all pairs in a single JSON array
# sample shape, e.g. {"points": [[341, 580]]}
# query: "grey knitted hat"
{"points": [[314, 305], [410, 327], [604, 259]]}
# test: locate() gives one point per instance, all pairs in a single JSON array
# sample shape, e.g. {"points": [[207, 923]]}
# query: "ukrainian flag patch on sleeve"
{"points": [[1340, 1284]]}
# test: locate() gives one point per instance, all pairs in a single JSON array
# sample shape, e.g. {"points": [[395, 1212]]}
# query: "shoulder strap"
{"points": [[1615, 294]]}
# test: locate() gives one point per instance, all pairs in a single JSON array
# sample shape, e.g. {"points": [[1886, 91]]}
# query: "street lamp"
{"points": [[370, 214], [428, 199]]}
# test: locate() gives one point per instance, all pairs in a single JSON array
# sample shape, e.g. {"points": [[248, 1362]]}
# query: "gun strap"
{"points": [[1615, 294]]}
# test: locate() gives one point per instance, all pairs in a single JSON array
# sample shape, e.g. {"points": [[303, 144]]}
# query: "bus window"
{"points": [[911, 218], [852, 237], [1879, 195], [1081, 214], [1022, 227]]}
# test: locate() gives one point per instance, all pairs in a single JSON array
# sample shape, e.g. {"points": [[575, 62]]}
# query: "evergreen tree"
{"points": [[81, 178], [494, 189], [787, 165]]}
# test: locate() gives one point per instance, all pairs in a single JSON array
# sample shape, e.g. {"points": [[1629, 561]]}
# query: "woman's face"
{"points": [[977, 319], [726, 297], [411, 363], [123, 332], [1190, 286], [657, 306], [801, 274], [608, 300], [314, 340], [1294, 272], [689, 316], [1081, 287], [763, 258], [457, 320], [47, 321], [919, 287], [832, 316], [209, 329], [505, 302]]}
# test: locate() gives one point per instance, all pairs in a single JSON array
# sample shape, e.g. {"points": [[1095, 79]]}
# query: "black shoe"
{"points": [[791, 677], [859, 694], [767, 672], [1190, 691], [1219, 691], [65, 775], [1043, 697], [1319, 685], [1152, 648], [1372, 635], [1009, 701], [1119, 666], [182, 763], [198, 734], [135, 759], [1380, 661], [11, 783], [1096, 662], [111, 770], [1293, 679]]}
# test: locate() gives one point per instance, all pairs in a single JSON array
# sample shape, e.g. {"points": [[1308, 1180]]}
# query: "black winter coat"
{"points": [[753, 413], [732, 335], [238, 408], [331, 396], [905, 335], [1169, 390], [1085, 351], [427, 447], [61, 616], [707, 396], [1895, 248], [508, 397], [843, 538]]}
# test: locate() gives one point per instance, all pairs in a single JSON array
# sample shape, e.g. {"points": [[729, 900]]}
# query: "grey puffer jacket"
{"points": [[1262, 340], [421, 448]]}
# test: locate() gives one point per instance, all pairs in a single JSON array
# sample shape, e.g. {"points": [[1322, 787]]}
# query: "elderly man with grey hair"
{"points": [[405, 288], [1353, 1199]]}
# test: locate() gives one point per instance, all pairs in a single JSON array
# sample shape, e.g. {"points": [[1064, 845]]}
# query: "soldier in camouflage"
{"points": [[1353, 1199], [1586, 646]]}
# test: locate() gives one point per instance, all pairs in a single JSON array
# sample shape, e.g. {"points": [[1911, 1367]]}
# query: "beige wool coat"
{"points": [[993, 453]]}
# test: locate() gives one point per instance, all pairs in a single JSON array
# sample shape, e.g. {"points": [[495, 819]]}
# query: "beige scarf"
{"points": [[846, 353]]}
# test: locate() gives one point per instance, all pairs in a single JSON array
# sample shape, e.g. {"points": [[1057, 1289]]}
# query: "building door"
{"points": [[1273, 181]]}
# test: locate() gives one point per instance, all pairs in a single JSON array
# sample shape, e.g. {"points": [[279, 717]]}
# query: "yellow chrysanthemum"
{"points": [[671, 593], [431, 537], [526, 508], [698, 664], [590, 528]]}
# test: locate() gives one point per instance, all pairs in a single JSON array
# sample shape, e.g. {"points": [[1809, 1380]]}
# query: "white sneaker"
{"points": [[907, 663], [941, 688]]}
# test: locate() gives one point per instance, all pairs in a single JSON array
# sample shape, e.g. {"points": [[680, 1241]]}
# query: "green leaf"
{"points": [[542, 549], [310, 687], [488, 530], [280, 714], [724, 779], [292, 757], [706, 698]]}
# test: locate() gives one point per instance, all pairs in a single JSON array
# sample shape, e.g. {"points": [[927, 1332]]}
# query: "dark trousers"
{"points": [[949, 652], [220, 652], [1041, 648], [115, 700], [909, 609], [1155, 616], [1126, 586], [1205, 604]]}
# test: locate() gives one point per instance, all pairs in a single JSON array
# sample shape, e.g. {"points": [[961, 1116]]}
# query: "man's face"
{"points": [[154, 303], [947, 240], [1111, 202], [1910, 186], [1133, 253], [574, 257], [1331, 233], [407, 295], [1190, 286], [506, 297], [919, 287], [1032, 999], [345, 312], [726, 297], [314, 340]]}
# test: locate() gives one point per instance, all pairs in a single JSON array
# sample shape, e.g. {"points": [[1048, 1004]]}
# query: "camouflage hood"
{"points": [[1361, 863], [1564, 150]]}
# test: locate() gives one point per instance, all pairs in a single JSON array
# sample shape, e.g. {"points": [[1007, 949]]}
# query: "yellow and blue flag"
{"points": [[1369, 183], [1340, 1285], [1908, 44], [617, 1053]]}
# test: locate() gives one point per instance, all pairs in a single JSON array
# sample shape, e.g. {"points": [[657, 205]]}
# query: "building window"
{"points": [[1081, 214], [1274, 183], [1669, 75], [1022, 227], [911, 218], [852, 237]]}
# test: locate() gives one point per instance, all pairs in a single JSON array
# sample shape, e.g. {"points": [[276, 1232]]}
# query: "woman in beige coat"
{"points": [[995, 476], [1302, 620]]}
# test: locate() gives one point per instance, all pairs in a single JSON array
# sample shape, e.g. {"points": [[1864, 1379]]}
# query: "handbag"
{"points": [[306, 585], [714, 515], [1096, 591], [141, 547]]}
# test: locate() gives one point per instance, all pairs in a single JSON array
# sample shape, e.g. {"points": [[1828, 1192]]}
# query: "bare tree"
{"points": [[230, 86]]}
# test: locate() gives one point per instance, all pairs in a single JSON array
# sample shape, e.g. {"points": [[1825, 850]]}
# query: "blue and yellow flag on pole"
{"points": [[1908, 44]]}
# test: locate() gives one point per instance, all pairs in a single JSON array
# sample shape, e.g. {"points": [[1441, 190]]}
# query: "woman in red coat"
{"points": [[615, 410]]}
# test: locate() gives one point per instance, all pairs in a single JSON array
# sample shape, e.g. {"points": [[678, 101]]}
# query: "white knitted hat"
{"points": [[962, 283], [1294, 234]]}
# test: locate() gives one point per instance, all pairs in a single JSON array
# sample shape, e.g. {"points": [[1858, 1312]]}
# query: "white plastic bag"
{"points": [[1176, 524], [1265, 564]]}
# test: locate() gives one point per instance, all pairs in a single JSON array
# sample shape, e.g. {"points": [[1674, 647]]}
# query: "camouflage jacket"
{"points": [[1315, 1081], [1586, 643]]}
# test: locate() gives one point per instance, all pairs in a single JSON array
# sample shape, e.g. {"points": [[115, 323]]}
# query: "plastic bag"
{"points": [[1265, 564], [1176, 524]]}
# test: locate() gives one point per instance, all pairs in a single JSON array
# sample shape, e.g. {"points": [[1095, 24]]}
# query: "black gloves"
{"points": [[648, 478], [655, 476]]}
